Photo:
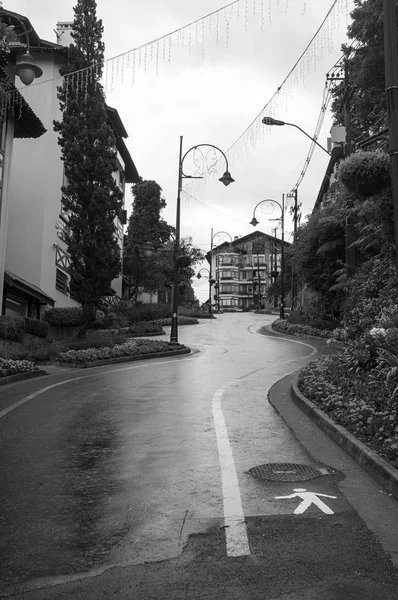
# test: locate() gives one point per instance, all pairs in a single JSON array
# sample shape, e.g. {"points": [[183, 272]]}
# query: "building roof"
{"points": [[131, 173], [116, 121], [236, 244], [336, 156], [35, 42], [20, 285], [27, 123]]}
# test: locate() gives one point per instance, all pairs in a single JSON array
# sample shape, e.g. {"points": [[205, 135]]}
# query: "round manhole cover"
{"points": [[287, 472]]}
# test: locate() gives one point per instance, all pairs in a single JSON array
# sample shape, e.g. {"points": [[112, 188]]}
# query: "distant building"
{"points": [[244, 269]]}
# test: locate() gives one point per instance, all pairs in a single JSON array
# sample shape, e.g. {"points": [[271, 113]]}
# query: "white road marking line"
{"points": [[235, 527], [9, 409]]}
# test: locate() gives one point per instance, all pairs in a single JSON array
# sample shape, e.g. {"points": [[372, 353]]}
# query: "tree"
{"points": [[88, 149], [318, 254], [145, 225], [365, 72]]}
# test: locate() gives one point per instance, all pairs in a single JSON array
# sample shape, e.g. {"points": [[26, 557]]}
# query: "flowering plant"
{"points": [[12, 367]]}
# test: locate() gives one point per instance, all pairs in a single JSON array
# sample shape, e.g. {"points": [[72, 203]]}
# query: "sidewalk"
{"points": [[365, 474]]}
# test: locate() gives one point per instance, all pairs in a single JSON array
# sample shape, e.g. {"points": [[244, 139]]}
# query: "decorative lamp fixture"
{"points": [[199, 276], [271, 121], [27, 69], [226, 179], [254, 222]]}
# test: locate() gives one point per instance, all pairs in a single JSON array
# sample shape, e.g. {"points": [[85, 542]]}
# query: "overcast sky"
{"points": [[208, 84]]}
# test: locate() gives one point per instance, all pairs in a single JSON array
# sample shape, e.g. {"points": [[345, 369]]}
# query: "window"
{"points": [[228, 274], [61, 282]]}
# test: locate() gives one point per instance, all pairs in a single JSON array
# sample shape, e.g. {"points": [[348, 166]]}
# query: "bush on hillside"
{"points": [[12, 328], [70, 316], [36, 327], [365, 172]]}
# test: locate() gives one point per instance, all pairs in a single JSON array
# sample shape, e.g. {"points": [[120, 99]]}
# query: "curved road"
{"points": [[116, 466]]}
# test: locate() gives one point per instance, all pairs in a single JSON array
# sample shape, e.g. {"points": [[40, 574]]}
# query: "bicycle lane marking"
{"points": [[12, 407], [236, 538]]}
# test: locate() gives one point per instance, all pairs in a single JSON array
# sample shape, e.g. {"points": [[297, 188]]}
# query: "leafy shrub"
{"points": [[365, 172], [12, 328], [46, 353], [144, 312], [144, 328], [373, 287], [95, 339], [71, 316], [12, 367], [36, 327]]}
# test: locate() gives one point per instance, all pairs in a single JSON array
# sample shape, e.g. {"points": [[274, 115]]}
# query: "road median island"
{"points": [[123, 359]]}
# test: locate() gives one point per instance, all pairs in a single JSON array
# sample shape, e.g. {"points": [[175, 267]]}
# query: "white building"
{"points": [[36, 260]]}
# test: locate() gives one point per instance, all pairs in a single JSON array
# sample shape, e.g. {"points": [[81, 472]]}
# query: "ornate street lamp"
{"points": [[254, 222], [26, 67], [203, 166]]}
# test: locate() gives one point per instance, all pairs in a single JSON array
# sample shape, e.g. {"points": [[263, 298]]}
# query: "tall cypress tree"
{"points": [[88, 147]]}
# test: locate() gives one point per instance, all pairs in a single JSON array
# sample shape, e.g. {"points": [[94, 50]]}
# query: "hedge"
{"points": [[36, 327], [12, 328], [71, 316]]}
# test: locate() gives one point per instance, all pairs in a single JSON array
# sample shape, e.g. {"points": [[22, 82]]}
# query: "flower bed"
{"points": [[180, 321], [356, 400], [285, 326], [13, 367], [130, 348]]}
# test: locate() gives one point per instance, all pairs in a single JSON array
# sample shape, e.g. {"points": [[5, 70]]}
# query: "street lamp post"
{"points": [[211, 283], [226, 179], [350, 251], [254, 222], [219, 233]]}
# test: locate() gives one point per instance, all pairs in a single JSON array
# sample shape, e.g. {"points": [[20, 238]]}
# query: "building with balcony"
{"points": [[244, 269], [36, 258]]}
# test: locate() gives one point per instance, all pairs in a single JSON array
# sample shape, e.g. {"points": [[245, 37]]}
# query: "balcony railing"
{"points": [[63, 231]]}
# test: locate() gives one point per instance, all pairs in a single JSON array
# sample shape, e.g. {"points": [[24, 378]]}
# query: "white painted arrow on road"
{"points": [[308, 498]]}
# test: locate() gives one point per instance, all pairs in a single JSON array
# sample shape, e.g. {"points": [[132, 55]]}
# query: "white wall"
{"points": [[5, 202]]}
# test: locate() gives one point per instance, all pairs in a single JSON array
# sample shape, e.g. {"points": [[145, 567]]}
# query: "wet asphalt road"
{"points": [[124, 471]]}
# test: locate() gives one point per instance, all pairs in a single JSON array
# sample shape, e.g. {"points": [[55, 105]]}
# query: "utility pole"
{"points": [[391, 79], [293, 194], [349, 225]]}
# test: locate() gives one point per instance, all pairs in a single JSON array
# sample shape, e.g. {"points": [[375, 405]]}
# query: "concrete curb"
{"points": [[22, 376], [377, 468]]}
